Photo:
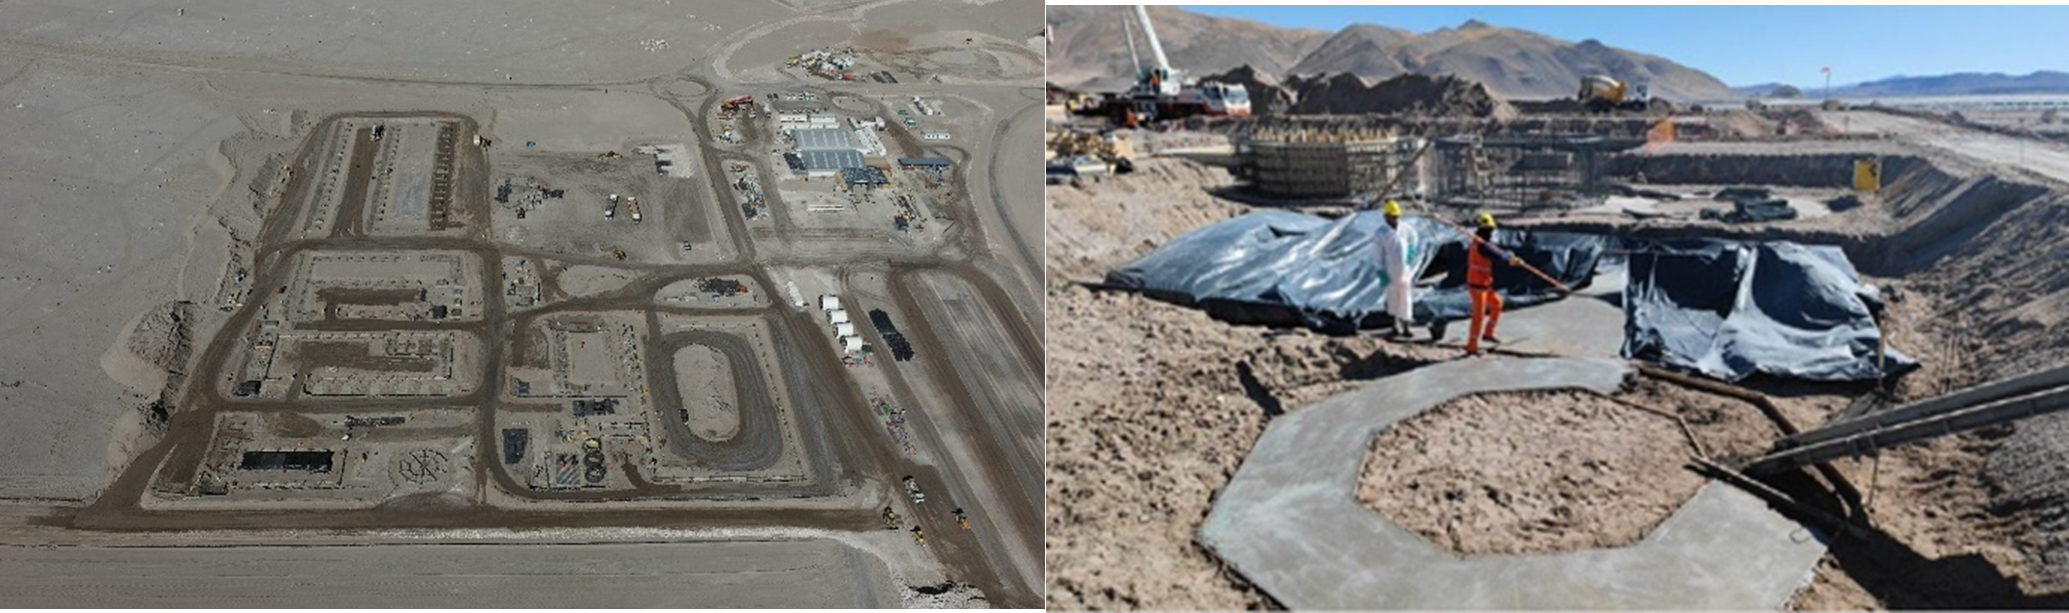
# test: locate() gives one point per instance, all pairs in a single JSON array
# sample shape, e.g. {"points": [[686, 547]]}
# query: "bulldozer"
{"points": [[1602, 94], [618, 253]]}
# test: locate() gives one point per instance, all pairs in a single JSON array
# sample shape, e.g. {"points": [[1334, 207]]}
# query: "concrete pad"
{"points": [[1588, 324], [1290, 521]]}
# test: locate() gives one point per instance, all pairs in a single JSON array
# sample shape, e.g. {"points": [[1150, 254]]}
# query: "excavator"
{"points": [[1603, 94], [1161, 92]]}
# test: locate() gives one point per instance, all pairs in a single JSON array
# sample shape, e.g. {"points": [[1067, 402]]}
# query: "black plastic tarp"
{"points": [[1729, 310], [1283, 268]]}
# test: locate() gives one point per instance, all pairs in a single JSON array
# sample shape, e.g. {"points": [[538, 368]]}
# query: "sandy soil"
{"points": [[580, 280], [1109, 222], [210, 96], [707, 387], [1551, 471], [520, 43], [802, 573], [1134, 461]]}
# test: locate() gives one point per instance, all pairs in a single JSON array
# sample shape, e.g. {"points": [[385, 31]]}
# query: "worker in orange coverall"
{"points": [[1486, 304]]}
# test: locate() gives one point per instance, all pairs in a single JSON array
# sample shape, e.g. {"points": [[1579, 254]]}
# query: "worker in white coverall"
{"points": [[1395, 248]]}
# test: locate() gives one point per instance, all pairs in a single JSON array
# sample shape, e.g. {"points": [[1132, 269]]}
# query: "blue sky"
{"points": [[1744, 45]]}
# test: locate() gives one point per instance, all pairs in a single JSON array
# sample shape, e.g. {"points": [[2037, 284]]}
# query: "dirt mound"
{"points": [[1267, 94], [1102, 224], [164, 336], [2030, 470], [1410, 94], [1538, 472]]}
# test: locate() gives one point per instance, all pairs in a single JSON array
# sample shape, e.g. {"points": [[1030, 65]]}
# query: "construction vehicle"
{"points": [[919, 536], [1602, 94], [912, 487], [608, 155], [890, 519], [962, 518], [1162, 93], [1073, 148], [632, 204], [618, 253]]}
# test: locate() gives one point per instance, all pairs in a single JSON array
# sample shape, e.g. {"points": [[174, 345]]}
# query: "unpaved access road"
{"points": [[1984, 148], [810, 573]]}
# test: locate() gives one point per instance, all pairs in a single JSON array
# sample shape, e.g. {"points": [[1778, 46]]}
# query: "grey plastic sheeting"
{"points": [[1282, 268], [1730, 310]]}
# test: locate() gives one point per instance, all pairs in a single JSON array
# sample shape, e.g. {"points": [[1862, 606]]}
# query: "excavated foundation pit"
{"points": [[1963, 254]]}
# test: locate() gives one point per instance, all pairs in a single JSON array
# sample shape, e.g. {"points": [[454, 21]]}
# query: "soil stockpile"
{"points": [[1414, 94]]}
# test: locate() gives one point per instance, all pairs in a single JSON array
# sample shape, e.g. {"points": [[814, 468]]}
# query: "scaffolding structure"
{"points": [[1522, 173]]}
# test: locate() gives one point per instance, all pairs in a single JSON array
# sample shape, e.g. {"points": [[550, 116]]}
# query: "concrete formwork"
{"points": [[1326, 165], [1290, 521]]}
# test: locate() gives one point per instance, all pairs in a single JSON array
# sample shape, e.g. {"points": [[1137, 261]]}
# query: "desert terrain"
{"points": [[520, 267]]}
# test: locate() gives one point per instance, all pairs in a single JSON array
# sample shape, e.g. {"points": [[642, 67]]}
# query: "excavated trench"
{"points": [[1978, 257]]}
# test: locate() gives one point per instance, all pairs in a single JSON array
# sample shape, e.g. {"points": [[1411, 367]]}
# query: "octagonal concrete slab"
{"points": [[1291, 523]]}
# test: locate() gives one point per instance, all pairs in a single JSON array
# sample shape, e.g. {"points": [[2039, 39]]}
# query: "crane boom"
{"points": [[1134, 59], [1149, 31]]}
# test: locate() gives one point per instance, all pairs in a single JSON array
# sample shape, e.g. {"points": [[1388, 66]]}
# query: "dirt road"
{"points": [[813, 573], [1977, 147]]}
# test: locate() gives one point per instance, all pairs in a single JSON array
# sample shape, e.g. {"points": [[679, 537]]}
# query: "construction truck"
{"points": [[1161, 92], [962, 518], [1602, 94], [632, 204]]}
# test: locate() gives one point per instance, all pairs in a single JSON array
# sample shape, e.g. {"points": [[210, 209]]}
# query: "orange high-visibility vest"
{"points": [[1479, 269]]}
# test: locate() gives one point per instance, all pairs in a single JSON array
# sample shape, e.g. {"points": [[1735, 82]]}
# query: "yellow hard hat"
{"points": [[1486, 220], [1393, 209]]}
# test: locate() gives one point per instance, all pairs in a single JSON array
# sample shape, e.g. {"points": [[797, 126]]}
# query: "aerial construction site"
{"points": [[541, 304], [1764, 354]]}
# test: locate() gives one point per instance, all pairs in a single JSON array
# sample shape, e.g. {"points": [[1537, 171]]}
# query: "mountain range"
{"points": [[1088, 51], [1958, 84]]}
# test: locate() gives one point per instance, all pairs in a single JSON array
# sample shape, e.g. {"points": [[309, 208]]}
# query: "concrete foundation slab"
{"points": [[1290, 521]]}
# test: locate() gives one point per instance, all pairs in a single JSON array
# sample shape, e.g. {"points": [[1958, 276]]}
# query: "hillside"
{"points": [[1087, 48]]}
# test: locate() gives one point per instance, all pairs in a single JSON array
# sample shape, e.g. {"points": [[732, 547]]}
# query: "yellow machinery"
{"points": [[1601, 93], [1116, 152], [1867, 175]]}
